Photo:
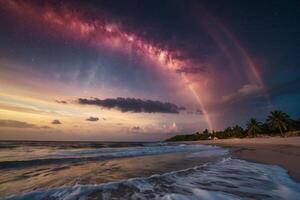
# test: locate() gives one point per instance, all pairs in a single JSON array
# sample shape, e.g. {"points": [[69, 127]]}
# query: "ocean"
{"points": [[135, 170]]}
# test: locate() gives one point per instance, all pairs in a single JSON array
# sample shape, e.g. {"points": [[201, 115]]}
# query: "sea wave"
{"points": [[80, 155], [226, 179]]}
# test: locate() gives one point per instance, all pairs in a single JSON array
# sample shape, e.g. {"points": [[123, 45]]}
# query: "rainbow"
{"points": [[100, 33]]}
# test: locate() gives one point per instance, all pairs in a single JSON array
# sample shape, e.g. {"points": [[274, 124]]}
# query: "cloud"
{"points": [[61, 101], [190, 70], [274, 91], [133, 105], [56, 121], [19, 124], [136, 128], [45, 127], [170, 128], [245, 91], [92, 119], [195, 112]]}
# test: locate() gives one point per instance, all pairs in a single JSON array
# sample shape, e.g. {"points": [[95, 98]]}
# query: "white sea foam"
{"points": [[54, 156], [227, 179], [203, 151]]}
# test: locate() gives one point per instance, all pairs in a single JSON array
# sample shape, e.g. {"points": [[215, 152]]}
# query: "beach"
{"points": [[284, 152], [224, 169]]}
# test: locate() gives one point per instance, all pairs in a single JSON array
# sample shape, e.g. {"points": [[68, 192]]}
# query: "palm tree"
{"points": [[278, 120], [238, 131], [253, 127]]}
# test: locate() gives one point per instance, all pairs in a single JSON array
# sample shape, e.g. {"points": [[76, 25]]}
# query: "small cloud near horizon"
{"points": [[61, 101], [92, 119], [56, 121], [19, 124], [195, 112], [136, 128]]}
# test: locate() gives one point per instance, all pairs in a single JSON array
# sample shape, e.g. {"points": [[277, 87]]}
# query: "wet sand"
{"points": [[284, 152], [42, 177]]}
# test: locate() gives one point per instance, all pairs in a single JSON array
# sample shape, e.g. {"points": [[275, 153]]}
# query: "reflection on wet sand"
{"points": [[57, 175]]}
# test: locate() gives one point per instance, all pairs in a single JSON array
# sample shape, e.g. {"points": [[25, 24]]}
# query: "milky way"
{"points": [[207, 59]]}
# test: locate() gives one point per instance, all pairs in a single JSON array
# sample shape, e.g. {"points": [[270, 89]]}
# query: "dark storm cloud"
{"points": [[133, 105], [56, 121], [92, 119], [19, 124]]}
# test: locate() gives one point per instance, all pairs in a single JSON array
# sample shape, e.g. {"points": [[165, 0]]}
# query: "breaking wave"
{"points": [[80, 155], [226, 179]]}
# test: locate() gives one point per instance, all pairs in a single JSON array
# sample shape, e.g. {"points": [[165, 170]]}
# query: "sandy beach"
{"points": [[158, 170], [284, 152]]}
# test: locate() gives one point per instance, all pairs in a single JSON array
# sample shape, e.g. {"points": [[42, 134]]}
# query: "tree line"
{"points": [[277, 123]]}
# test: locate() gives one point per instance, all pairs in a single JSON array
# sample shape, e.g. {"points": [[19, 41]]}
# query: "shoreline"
{"points": [[284, 152]]}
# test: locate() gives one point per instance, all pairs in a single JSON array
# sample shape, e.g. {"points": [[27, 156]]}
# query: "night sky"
{"points": [[144, 70]]}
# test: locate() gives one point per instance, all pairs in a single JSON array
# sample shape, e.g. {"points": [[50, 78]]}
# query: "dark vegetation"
{"points": [[277, 123]]}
